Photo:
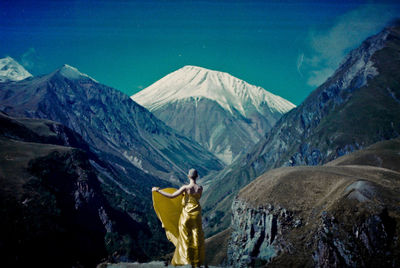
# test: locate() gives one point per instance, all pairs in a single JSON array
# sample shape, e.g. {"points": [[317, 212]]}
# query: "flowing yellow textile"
{"points": [[181, 219]]}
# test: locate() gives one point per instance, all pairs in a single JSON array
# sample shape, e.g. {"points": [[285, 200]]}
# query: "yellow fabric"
{"points": [[182, 224], [168, 210]]}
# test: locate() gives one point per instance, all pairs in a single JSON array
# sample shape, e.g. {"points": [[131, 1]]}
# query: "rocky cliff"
{"points": [[336, 215]]}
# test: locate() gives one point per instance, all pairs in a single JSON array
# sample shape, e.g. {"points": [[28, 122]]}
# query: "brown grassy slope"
{"points": [[14, 159], [313, 189], [304, 188], [308, 191], [22, 140], [216, 247], [385, 154], [349, 188]]}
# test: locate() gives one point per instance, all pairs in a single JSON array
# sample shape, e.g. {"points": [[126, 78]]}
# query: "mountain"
{"points": [[58, 210], [223, 113], [342, 214], [117, 129], [357, 106], [10, 70], [127, 150]]}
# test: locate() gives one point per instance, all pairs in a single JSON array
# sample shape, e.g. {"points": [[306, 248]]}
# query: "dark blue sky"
{"points": [[287, 47]]}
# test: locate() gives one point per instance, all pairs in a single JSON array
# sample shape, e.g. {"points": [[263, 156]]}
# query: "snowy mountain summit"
{"points": [[72, 73], [229, 92], [10, 70], [221, 112]]}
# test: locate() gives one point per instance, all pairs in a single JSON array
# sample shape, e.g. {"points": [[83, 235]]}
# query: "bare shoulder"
{"points": [[184, 188]]}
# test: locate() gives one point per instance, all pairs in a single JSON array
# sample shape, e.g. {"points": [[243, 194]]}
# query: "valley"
{"points": [[310, 185]]}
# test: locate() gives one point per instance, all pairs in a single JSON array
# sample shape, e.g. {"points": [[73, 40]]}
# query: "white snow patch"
{"points": [[135, 161], [73, 73], [10, 70], [122, 168], [217, 132], [226, 155]]}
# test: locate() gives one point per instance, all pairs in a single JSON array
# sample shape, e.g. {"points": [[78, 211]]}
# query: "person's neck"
{"points": [[192, 181]]}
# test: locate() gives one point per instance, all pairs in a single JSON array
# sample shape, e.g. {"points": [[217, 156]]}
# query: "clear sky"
{"points": [[286, 47]]}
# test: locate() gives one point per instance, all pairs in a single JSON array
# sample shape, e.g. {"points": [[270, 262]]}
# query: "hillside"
{"points": [[356, 107], [332, 215], [56, 206]]}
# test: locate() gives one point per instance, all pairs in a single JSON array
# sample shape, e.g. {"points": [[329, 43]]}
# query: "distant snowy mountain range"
{"points": [[109, 121], [10, 70], [223, 113], [125, 150]]}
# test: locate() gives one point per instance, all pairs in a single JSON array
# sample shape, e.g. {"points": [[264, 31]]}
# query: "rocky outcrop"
{"points": [[263, 235], [370, 243], [257, 233], [335, 215]]}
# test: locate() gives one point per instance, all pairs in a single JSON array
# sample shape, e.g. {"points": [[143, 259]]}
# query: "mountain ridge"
{"points": [[71, 72], [350, 111], [55, 200], [109, 120], [11, 70]]}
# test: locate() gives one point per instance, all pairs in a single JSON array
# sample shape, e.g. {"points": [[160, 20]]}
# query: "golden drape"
{"points": [[181, 219]]}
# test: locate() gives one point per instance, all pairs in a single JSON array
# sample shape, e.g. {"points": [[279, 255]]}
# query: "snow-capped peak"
{"points": [[11, 70], [228, 91], [72, 73]]}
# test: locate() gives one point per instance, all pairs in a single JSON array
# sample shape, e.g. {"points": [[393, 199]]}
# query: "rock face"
{"points": [[257, 233], [358, 106], [223, 113], [260, 235], [56, 206], [119, 130], [371, 243], [328, 216]]}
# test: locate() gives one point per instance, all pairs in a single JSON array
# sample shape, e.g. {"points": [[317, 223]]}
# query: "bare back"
{"points": [[194, 189]]}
